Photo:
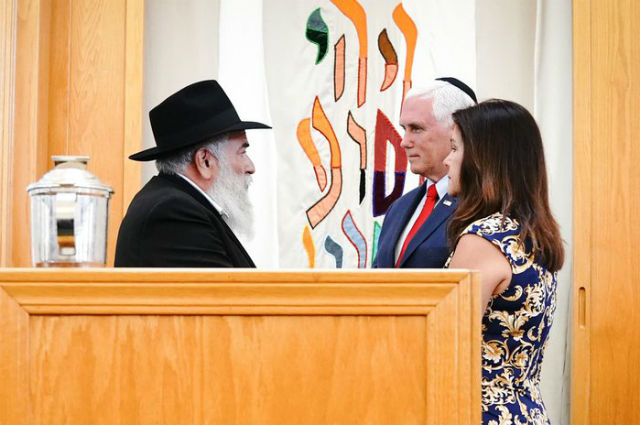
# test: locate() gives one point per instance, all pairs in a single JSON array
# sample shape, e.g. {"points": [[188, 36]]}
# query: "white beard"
{"points": [[231, 192]]}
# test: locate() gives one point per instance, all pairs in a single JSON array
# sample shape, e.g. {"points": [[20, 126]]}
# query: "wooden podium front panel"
{"points": [[228, 369], [240, 347]]}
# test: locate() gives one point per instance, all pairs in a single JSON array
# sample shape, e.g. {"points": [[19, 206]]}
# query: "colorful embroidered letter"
{"points": [[318, 211], [355, 12], [307, 242], [390, 59], [356, 238], [318, 33], [333, 248], [386, 132], [359, 135], [410, 32], [305, 140], [374, 243], [338, 69]]}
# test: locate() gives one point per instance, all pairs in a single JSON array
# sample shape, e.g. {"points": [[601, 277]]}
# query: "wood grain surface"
{"points": [[78, 91], [606, 338], [14, 363], [7, 72], [228, 370], [240, 347]]}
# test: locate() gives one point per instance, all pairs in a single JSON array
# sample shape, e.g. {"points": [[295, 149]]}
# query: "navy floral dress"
{"points": [[515, 329]]}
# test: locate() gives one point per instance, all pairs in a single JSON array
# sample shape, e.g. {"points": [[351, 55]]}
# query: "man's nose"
{"points": [[446, 161], [405, 142], [250, 168]]}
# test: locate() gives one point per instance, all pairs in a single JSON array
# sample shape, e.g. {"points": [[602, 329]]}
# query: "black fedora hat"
{"points": [[190, 116]]}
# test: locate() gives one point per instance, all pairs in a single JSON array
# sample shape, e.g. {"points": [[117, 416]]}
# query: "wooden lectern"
{"points": [[150, 346]]}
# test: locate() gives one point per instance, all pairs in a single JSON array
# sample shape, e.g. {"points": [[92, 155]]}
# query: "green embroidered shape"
{"points": [[318, 33], [376, 236]]}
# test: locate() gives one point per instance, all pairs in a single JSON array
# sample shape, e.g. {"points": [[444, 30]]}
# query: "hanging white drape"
{"points": [[553, 97], [325, 97], [242, 74]]}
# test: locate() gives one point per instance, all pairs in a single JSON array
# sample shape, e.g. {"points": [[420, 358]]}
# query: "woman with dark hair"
{"points": [[504, 228]]}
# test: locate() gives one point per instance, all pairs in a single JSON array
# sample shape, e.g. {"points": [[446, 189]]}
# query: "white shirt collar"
{"points": [[442, 186], [205, 194]]}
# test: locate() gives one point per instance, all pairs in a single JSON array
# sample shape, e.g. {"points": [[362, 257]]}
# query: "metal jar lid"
{"points": [[70, 175]]}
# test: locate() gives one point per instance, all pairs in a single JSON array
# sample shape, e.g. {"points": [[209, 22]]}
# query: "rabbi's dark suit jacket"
{"points": [[171, 224]]}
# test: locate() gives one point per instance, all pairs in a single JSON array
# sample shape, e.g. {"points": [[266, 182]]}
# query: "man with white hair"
{"points": [[414, 232], [189, 214]]}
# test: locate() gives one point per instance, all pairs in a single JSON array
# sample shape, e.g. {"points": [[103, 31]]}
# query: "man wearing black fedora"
{"points": [[189, 214]]}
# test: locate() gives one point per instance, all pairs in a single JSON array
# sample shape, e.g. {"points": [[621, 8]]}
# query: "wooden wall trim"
{"points": [[31, 118], [236, 275], [7, 73], [582, 215], [133, 95], [14, 368], [171, 291], [229, 299]]}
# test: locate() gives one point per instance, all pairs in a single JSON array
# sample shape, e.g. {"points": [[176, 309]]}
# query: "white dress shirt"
{"points": [[442, 186], [206, 195]]}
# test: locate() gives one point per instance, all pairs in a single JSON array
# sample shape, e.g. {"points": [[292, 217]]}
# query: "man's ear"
{"points": [[206, 164]]}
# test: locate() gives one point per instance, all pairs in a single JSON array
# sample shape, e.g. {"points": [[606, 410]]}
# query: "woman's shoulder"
{"points": [[495, 224], [504, 232]]}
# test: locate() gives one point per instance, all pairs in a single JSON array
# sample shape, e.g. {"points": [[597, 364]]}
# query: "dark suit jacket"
{"points": [[170, 224], [428, 248]]}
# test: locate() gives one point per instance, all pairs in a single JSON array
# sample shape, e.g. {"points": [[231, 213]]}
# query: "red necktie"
{"points": [[432, 197]]}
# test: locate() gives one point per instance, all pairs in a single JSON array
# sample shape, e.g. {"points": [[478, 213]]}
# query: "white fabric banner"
{"points": [[336, 72]]}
